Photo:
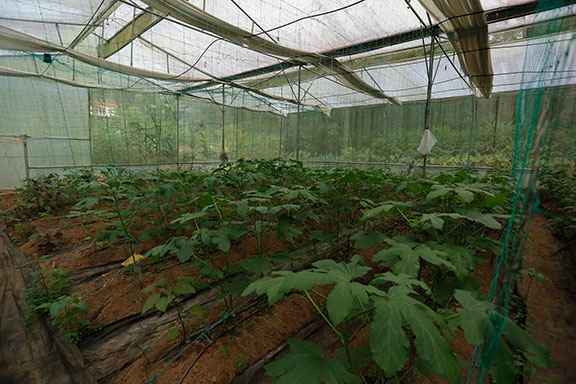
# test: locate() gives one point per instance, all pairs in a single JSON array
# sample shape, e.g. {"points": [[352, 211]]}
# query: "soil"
{"points": [[551, 305], [113, 296]]}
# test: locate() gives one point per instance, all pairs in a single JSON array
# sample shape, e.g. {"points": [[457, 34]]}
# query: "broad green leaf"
{"points": [[158, 283], [322, 236], [222, 241], [254, 264], [367, 240], [434, 219], [286, 229], [339, 303], [464, 194], [189, 217], [439, 191], [163, 303], [400, 279], [388, 342], [196, 311], [150, 302], [59, 305], [483, 218], [384, 209], [305, 364], [210, 272], [474, 317], [405, 257], [462, 258], [430, 345], [186, 250], [183, 288], [432, 256], [345, 271], [173, 333]]}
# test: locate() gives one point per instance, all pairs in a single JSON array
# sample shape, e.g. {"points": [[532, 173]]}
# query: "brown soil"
{"points": [[230, 353], [116, 294], [551, 305]]}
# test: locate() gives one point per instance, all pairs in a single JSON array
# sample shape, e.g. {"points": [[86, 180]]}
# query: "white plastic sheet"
{"points": [[427, 143]]}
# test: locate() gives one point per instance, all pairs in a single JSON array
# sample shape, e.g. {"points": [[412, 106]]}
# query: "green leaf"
{"points": [[367, 240], [430, 344], [254, 264], [59, 305], [173, 333], [464, 194], [305, 364], [150, 302], [183, 288], [474, 318], [163, 303], [186, 250], [486, 219], [388, 342], [404, 256], [286, 229], [384, 209], [322, 236], [434, 219], [222, 241], [344, 271], [339, 303], [400, 279], [438, 191], [189, 217], [210, 272], [461, 257], [196, 311]]}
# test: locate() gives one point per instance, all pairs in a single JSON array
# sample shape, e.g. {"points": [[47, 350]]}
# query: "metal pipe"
{"points": [[26, 161], [223, 122], [429, 94], [178, 132], [298, 115]]}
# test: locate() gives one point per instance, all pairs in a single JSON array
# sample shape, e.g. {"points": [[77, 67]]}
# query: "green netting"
{"points": [[544, 134], [133, 120]]}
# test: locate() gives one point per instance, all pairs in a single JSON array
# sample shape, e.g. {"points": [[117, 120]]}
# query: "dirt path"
{"points": [[551, 306], [30, 353]]}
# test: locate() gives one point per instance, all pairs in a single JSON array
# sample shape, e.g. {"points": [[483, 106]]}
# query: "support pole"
{"points": [[429, 94], [280, 143], [237, 128], [178, 132], [298, 115], [26, 161], [223, 155], [91, 146]]}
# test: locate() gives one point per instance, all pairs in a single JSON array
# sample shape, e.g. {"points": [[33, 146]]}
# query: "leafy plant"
{"points": [[166, 294]]}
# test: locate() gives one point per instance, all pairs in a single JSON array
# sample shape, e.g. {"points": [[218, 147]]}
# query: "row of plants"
{"points": [[420, 295], [415, 293], [560, 184]]}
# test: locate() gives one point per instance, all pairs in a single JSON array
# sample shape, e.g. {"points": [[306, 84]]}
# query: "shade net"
{"points": [[77, 113]]}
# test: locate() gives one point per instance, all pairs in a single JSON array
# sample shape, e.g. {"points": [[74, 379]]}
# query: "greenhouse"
{"points": [[287, 191]]}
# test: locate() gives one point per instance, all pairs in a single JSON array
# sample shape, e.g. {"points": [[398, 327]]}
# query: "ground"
{"points": [[237, 355]]}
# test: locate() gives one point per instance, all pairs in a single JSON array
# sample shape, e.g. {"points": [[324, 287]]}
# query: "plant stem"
{"points": [[324, 317]]}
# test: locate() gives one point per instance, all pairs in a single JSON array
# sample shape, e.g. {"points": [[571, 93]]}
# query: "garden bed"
{"points": [[267, 269]]}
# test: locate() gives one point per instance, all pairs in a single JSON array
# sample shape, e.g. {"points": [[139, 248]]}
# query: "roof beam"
{"points": [[129, 32], [99, 18], [540, 29], [492, 16]]}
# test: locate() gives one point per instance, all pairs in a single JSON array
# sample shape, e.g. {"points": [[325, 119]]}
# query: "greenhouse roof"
{"points": [[342, 52]]}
